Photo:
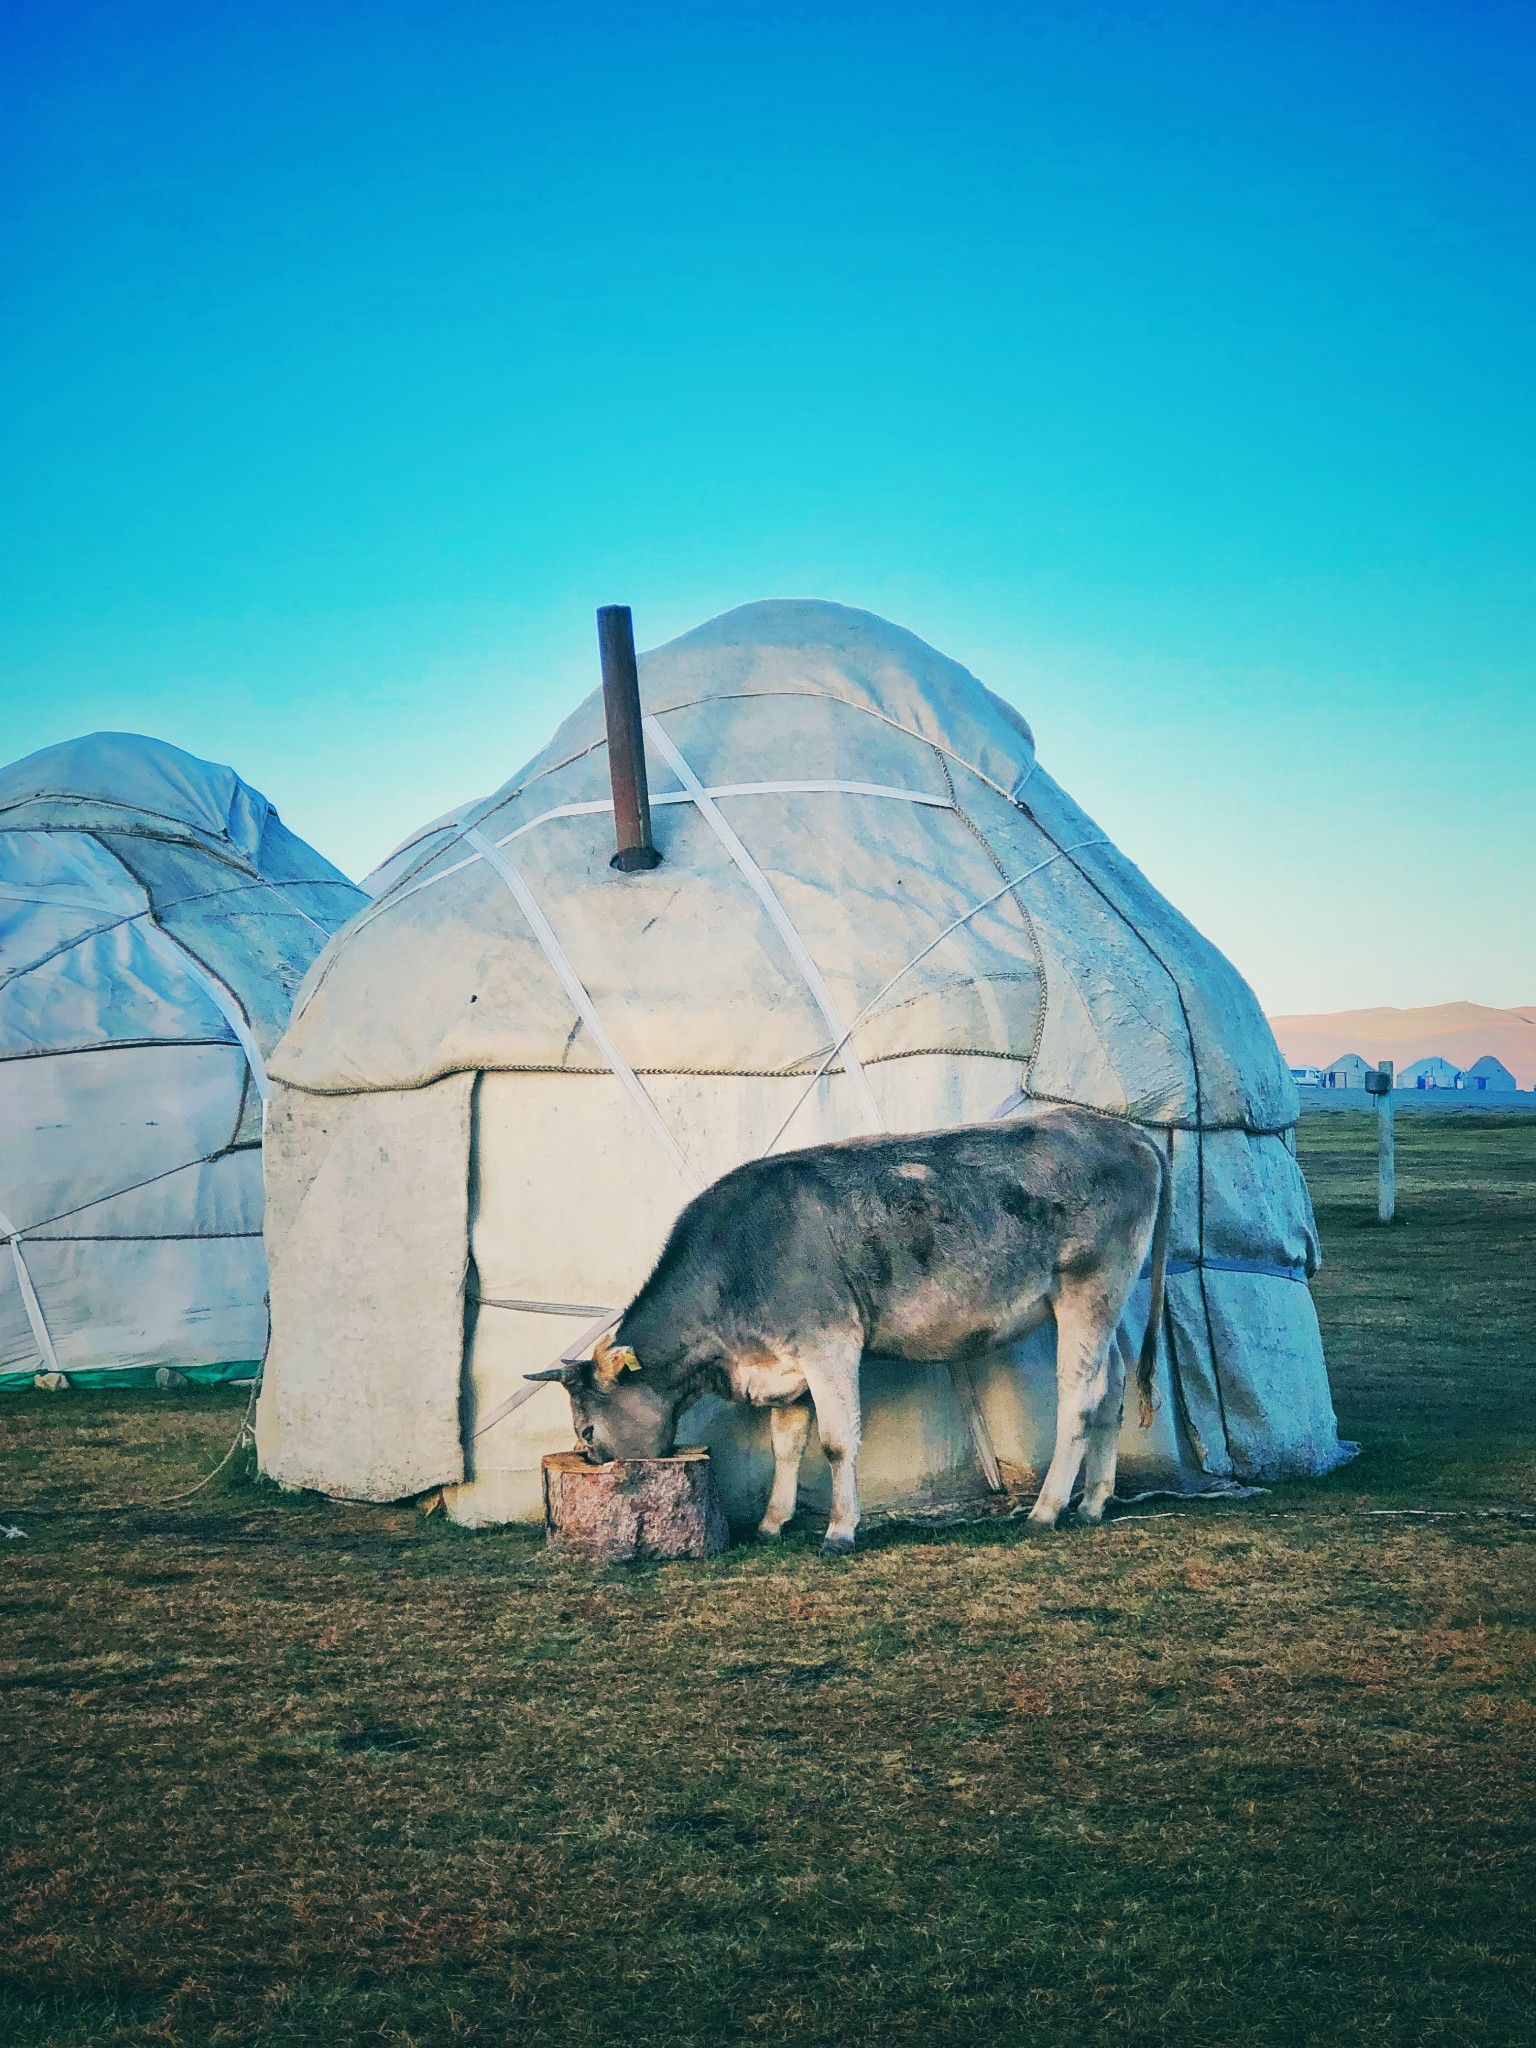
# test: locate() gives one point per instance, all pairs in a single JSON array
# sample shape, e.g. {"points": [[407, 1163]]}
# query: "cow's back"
{"points": [[942, 1231]]}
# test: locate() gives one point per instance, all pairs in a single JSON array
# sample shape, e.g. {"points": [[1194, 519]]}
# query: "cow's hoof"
{"points": [[764, 1534], [837, 1546], [1037, 1525]]}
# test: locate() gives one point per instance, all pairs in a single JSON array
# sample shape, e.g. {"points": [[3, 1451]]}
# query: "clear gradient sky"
{"points": [[1171, 366]]}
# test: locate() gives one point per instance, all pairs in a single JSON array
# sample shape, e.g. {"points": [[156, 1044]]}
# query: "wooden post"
{"points": [[1380, 1085], [633, 1510], [626, 740]]}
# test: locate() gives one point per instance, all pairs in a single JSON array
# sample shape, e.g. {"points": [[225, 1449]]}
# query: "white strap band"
{"points": [[29, 1300], [224, 1000], [529, 1388], [51, 899], [813, 786], [539, 1308], [763, 889], [810, 786], [585, 1008], [917, 958], [510, 1406]]}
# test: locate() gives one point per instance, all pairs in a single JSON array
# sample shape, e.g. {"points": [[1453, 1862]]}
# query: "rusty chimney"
{"points": [[626, 741]]}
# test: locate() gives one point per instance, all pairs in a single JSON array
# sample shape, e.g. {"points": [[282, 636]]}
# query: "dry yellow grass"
{"points": [[280, 1772]]}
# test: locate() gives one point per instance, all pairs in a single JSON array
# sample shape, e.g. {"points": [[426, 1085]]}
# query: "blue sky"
{"points": [[1171, 366]]}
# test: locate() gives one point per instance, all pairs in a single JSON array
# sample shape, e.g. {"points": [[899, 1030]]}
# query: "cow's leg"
{"points": [[831, 1371], [789, 1427], [1104, 1434], [1085, 1325]]}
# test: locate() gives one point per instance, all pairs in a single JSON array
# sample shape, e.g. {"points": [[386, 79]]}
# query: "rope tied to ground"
{"points": [[245, 1435]]}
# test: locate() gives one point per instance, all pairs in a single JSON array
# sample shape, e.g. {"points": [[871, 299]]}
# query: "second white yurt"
{"points": [[156, 917], [873, 911]]}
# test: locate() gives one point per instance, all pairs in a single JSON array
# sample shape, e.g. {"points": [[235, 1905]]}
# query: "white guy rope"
{"points": [[917, 958], [585, 1008], [763, 889]]}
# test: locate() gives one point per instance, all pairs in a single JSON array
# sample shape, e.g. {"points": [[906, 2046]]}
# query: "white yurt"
{"points": [[156, 917], [874, 911]]}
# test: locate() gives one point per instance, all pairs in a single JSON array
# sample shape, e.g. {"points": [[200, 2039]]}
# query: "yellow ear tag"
{"points": [[609, 1360]]}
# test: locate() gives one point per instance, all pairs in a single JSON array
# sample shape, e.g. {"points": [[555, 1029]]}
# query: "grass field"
{"points": [[279, 1772]]}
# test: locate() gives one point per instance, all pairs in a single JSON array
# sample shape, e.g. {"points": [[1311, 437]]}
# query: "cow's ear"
{"points": [[567, 1375], [609, 1360]]}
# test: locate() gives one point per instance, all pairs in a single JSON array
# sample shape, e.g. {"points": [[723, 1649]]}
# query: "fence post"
{"points": [[1380, 1085]]}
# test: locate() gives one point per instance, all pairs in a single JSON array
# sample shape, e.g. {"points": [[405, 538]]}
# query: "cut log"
{"points": [[634, 1510]]}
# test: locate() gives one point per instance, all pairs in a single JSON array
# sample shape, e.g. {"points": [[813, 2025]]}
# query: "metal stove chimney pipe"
{"points": [[626, 741]]}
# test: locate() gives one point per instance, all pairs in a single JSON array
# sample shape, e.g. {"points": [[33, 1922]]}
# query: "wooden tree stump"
{"points": [[634, 1510]]}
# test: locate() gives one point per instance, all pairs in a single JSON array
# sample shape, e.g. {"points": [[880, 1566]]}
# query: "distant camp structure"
{"points": [[1433, 1072], [156, 917], [1486, 1076], [874, 910]]}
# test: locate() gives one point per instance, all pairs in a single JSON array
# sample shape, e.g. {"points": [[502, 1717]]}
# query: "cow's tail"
{"points": [[1146, 1368]]}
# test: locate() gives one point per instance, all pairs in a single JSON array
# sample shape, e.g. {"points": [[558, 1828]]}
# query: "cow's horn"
{"points": [[567, 1375]]}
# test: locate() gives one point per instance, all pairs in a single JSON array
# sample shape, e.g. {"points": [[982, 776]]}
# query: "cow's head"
{"points": [[620, 1410]]}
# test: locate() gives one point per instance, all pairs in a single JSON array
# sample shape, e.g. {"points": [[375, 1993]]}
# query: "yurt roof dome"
{"points": [[785, 647], [805, 647], [113, 844], [879, 795], [125, 781]]}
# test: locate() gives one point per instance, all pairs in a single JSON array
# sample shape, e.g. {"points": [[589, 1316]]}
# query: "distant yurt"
{"points": [[1433, 1072], [874, 911], [1488, 1076], [156, 917]]}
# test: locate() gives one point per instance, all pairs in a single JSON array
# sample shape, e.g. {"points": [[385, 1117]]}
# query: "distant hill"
{"points": [[1459, 1032]]}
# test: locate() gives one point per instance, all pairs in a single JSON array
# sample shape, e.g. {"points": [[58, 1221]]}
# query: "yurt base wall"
{"points": [[1251, 1382], [367, 1231], [140, 1220]]}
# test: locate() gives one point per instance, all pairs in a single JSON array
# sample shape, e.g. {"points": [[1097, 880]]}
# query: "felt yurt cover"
{"points": [[156, 917], [874, 911]]}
